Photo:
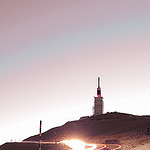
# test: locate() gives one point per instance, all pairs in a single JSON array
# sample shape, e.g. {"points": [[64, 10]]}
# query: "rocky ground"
{"points": [[128, 141]]}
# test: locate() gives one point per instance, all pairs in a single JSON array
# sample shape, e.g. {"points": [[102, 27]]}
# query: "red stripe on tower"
{"points": [[99, 89]]}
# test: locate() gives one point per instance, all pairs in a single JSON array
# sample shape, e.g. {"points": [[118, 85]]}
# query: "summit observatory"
{"points": [[98, 101]]}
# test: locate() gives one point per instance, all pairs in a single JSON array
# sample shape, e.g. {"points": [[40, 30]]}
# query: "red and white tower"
{"points": [[98, 101]]}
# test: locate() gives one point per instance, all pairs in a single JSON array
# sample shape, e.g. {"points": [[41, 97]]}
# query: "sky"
{"points": [[52, 52]]}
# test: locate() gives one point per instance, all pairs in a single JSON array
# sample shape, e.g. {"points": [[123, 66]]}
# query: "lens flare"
{"points": [[79, 145]]}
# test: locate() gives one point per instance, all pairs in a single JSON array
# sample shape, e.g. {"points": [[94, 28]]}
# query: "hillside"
{"points": [[127, 130], [106, 124]]}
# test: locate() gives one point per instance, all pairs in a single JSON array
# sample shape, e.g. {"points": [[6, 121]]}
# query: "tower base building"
{"points": [[98, 101], [98, 105]]}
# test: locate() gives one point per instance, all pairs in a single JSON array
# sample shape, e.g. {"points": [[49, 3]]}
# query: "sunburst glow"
{"points": [[79, 145]]}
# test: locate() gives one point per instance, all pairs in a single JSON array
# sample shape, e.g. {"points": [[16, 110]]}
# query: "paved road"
{"points": [[36, 142], [108, 147], [112, 147], [99, 146]]}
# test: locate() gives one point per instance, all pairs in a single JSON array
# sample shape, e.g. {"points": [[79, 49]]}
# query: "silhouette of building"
{"points": [[98, 101]]}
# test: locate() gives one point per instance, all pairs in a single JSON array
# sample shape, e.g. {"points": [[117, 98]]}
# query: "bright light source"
{"points": [[79, 145]]}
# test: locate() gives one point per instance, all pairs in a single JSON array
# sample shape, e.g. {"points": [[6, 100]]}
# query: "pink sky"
{"points": [[51, 53]]}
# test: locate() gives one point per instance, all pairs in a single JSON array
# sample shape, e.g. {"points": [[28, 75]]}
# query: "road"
{"points": [[98, 146], [109, 147]]}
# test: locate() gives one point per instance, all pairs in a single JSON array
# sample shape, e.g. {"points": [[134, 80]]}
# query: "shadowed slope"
{"points": [[106, 124], [112, 128]]}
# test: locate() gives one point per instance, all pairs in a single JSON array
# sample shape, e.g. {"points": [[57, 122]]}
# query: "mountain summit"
{"points": [[128, 130]]}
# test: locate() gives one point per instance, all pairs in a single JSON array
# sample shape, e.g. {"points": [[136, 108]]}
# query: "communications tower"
{"points": [[98, 101]]}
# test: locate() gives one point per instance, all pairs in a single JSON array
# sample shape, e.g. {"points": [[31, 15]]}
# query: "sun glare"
{"points": [[79, 145]]}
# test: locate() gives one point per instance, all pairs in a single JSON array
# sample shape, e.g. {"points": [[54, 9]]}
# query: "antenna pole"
{"points": [[98, 82], [40, 135]]}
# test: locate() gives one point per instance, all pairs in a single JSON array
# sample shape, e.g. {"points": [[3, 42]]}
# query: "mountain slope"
{"points": [[127, 130], [106, 124]]}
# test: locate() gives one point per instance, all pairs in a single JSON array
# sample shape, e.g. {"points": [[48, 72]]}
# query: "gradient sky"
{"points": [[51, 53]]}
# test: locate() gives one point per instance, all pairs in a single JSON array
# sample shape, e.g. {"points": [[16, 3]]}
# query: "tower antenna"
{"points": [[99, 89], [98, 101], [98, 82]]}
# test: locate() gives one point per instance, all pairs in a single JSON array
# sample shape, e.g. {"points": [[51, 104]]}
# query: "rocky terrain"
{"points": [[131, 132]]}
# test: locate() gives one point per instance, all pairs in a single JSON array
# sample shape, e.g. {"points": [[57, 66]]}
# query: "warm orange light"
{"points": [[119, 146], [79, 145]]}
